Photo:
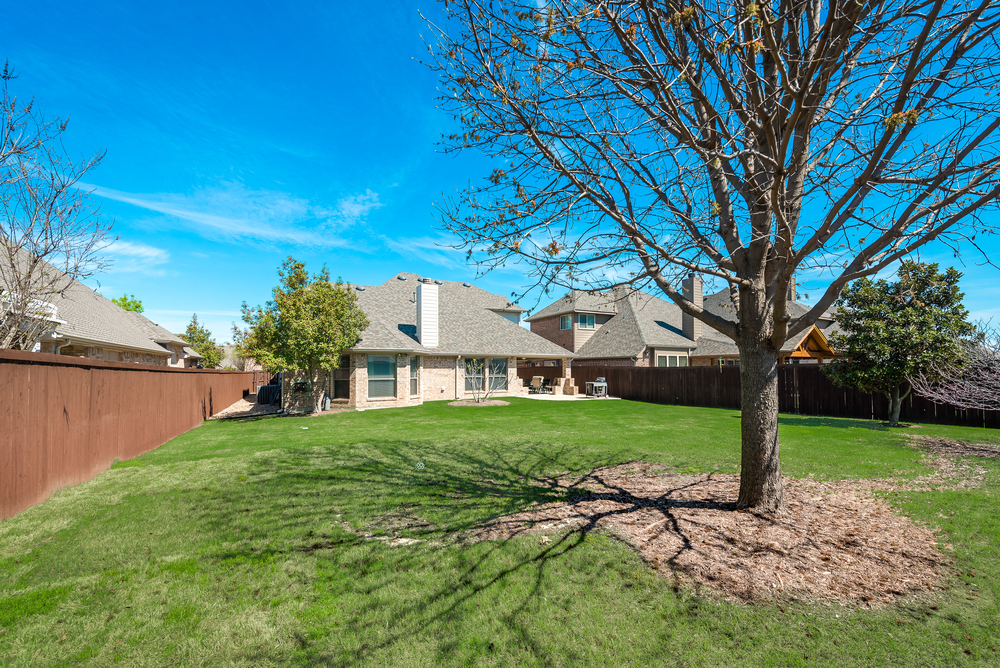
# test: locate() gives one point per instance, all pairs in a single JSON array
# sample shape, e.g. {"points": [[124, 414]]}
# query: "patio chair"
{"points": [[536, 385]]}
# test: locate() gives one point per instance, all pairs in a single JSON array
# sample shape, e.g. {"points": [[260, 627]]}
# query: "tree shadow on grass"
{"points": [[333, 501], [787, 420]]}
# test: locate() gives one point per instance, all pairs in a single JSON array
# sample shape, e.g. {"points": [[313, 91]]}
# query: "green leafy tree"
{"points": [[201, 341], [129, 303], [308, 324], [893, 331]]}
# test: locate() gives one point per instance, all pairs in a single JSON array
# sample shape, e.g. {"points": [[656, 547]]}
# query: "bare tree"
{"points": [[974, 382], [50, 232], [481, 382], [639, 142]]}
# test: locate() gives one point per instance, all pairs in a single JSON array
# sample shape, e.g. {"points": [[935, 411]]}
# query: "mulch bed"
{"points": [[834, 541], [470, 402]]}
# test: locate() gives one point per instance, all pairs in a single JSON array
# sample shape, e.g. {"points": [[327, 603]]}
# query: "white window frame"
{"points": [[382, 380], [414, 378], [565, 322], [587, 321], [676, 358]]}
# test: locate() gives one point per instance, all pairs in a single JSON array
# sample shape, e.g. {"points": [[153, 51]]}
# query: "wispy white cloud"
{"points": [[233, 212], [134, 257], [355, 207], [436, 250]]}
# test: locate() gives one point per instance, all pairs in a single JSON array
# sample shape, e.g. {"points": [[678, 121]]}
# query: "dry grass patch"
{"points": [[835, 541]]}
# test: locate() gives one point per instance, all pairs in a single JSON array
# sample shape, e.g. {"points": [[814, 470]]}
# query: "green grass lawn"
{"points": [[227, 547]]}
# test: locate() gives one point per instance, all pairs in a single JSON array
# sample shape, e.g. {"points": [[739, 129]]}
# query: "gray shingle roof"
{"points": [[577, 301], [467, 322], [92, 318], [643, 320]]}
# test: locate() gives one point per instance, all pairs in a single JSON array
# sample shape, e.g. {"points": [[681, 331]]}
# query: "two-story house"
{"points": [[634, 328]]}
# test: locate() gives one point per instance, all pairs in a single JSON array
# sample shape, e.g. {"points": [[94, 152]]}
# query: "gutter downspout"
{"points": [[60, 346]]}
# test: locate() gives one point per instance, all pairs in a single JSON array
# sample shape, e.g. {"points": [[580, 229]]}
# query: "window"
{"points": [[566, 322], [671, 360], [414, 363], [381, 376], [473, 374], [342, 378], [586, 321], [498, 373]]}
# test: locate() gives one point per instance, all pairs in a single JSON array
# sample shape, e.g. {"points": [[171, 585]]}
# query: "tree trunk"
{"points": [[318, 386], [895, 403], [760, 468]]}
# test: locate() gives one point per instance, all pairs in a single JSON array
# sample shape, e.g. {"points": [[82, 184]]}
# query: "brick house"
{"points": [[427, 340], [622, 328]]}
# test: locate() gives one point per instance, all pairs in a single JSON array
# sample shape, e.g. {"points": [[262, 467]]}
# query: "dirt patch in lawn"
{"points": [[835, 540], [947, 447], [470, 402], [246, 407]]}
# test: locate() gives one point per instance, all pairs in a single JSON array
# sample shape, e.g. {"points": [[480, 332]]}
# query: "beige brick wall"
{"points": [[436, 372], [433, 372], [297, 402], [359, 384], [93, 353]]}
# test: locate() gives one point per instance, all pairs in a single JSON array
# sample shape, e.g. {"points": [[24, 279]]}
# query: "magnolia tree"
{"points": [[308, 324], [972, 381], [641, 142], [50, 231], [893, 331]]}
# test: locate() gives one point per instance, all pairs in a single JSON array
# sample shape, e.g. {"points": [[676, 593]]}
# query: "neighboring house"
{"points": [[427, 340], [233, 360], [88, 325], [622, 328]]}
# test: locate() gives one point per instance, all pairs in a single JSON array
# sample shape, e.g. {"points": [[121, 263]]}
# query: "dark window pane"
{"points": [[381, 388], [381, 366]]}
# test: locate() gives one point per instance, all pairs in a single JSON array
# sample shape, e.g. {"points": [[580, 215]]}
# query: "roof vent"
{"points": [[359, 288], [467, 285], [438, 282], [401, 277]]}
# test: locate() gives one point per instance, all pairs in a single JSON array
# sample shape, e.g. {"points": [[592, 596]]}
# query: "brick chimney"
{"points": [[691, 289], [427, 313]]}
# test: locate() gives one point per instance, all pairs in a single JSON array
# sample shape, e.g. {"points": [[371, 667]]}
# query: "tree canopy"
{"points": [[637, 142], [201, 341], [894, 331], [129, 303], [308, 323]]}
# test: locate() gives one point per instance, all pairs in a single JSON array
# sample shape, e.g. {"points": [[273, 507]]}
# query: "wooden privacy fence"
{"points": [[802, 389], [64, 419]]}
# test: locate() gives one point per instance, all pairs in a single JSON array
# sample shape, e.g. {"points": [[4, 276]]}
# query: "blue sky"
{"points": [[240, 133]]}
